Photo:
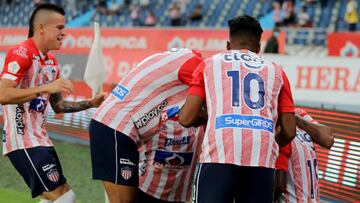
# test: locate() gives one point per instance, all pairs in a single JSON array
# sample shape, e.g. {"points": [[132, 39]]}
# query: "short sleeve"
{"points": [[188, 68], [197, 86], [286, 103], [283, 158], [17, 61]]}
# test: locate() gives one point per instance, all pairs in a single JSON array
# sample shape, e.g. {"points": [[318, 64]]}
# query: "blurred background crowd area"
{"points": [[306, 22]]}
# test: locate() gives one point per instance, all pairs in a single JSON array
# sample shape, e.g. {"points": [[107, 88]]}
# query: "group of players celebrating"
{"points": [[178, 127]]}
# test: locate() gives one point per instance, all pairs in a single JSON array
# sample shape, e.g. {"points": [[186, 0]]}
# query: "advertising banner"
{"points": [[79, 40], [332, 80], [344, 44]]}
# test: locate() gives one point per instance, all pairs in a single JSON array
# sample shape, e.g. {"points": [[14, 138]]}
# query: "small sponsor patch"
{"points": [[21, 51], [177, 141], [48, 167], [38, 105], [173, 160], [120, 92], [53, 175], [126, 172], [244, 121], [126, 162], [13, 67]]}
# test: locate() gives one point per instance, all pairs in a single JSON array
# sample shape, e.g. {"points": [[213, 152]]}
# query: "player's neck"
{"points": [[40, 45]]}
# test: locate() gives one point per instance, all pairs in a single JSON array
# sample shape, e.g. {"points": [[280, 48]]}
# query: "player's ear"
{"points": [[228, 46], [41, 28]]}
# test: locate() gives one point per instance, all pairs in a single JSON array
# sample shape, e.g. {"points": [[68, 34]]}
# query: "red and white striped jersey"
{"points": [[135, 105], [244, 93], [302, 176], [167, 161], [24, 124]]}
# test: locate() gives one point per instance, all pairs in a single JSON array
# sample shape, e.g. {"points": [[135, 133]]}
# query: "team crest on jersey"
{"points": [[53, 175], [49, 73], [13, 67], [126, 172]]}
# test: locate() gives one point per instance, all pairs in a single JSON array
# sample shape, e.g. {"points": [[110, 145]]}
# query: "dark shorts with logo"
{"points": [[114, 156], [39, 167]]}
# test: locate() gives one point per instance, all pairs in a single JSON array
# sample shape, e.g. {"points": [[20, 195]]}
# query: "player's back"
{"points": [[242, 90], [169, 158], [303, 182], [135, 104]]}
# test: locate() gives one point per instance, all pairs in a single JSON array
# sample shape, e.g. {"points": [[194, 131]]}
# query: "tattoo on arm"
{"points": [[60, 106]]}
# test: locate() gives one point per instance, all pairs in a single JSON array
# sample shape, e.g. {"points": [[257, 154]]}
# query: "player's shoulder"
{"points": [[22, 50]]}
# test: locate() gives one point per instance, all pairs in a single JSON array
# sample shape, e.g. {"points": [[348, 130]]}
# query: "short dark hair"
{"points": [[245, 27], [43, 6]]}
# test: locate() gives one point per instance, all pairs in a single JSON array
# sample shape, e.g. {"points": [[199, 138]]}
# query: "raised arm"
{"points": [[320, 134]]}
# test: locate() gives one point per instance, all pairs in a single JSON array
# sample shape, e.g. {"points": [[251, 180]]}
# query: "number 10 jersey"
{"points": [[244, 95]]}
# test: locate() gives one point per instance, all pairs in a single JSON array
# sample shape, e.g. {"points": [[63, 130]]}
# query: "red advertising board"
{"points": [[116, 39], [344, 44]]}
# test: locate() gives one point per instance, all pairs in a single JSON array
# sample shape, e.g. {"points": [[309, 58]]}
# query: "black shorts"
{"points": [[143, 197], [225, 183], [114, 156], [39, 167]]}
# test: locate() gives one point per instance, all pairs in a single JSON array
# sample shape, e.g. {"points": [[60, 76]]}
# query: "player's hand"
{"points": [[59, 85], [98, 100]]}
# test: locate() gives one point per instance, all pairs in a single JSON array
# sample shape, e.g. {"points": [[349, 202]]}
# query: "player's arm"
{"points": [[15, 67], [281, 171], [286, 114], [202, 117], [195, 99], [320, 134], [59, 105], [190, 112]]}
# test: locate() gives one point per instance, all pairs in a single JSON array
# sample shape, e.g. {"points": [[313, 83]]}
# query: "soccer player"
{"points": [[29, 81], [168, 160], [131, 115], [296, 166], [245, 95]]}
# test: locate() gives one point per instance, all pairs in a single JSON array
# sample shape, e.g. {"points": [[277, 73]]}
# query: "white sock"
{"points": [[45, 201], [106, 198], [67, 197]]}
